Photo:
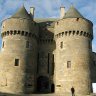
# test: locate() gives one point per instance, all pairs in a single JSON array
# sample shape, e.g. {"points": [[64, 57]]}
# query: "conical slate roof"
{"points": [[22, 13], [73, 13]]}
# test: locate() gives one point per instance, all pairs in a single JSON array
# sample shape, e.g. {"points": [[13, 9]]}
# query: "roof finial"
{"points": [[72, 5], [24, 2]]}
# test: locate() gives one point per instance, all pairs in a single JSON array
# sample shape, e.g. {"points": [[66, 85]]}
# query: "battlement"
{"points": [[18, 32], [74, 33], [46, 41]]}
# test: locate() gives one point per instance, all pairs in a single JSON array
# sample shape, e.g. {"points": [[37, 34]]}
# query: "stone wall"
{"points": [[62, 54], [46, 47], [19, 41], [73, 51]]}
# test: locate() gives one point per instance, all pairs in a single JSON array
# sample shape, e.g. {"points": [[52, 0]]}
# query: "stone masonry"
{"points": [[47, 55]]}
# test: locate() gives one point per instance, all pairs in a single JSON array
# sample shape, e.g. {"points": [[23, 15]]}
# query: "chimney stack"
{"points": [[62, 12], [32, 11]]}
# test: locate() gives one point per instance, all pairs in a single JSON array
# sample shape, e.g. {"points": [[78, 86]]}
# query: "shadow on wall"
{"points": [[45, 37], [45, 83]]}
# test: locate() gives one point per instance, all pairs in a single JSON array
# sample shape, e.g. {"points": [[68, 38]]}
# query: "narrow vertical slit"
{"points": [[38, 63], [3, 44], [52, 64], [53, 58], [48, 62]]}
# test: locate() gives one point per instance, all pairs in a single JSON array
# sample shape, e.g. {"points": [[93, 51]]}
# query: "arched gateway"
{"points": [[43, 84]]}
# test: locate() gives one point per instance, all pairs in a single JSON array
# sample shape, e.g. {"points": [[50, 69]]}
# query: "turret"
{"points": [[19, 52], [62, 12], [73, 35], [32, 12]]}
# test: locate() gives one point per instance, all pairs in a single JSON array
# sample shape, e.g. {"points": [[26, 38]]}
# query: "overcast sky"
{"points": [[50, 8]]}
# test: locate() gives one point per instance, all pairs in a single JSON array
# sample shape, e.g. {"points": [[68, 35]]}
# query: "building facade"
{"points": [[47, 55]]}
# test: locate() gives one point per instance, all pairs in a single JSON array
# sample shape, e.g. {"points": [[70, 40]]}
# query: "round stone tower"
{"points": [[18, 53], [73, 35]]}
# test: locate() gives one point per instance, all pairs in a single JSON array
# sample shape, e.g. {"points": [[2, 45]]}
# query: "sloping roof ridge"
{"points": [[73, 13], [21, 13]]}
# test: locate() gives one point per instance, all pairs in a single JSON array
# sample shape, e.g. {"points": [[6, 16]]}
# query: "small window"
{"points": [[61, 44], [7, 32], [68, 64], [15, 32], [11, 32], [66, 32], [69, 32], [57, 23], [77, 32], [77, 19], [22, 33], [58, 85], [27, 44], [73, 32], [16, 62], [18, 32], [81, 32], [3, 44], [26, 33]]}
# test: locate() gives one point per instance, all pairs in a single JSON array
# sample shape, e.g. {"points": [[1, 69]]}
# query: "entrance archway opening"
{"points": [[43, 84]]}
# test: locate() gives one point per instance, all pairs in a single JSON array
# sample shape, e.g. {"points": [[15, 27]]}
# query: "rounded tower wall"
{"points": [[19, 55], [19, 24], [73, 24], [73, 49], [12, 43]]}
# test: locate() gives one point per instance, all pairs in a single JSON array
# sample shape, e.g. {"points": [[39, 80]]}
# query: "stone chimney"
{"points": [[62, 12], [32, 11]]}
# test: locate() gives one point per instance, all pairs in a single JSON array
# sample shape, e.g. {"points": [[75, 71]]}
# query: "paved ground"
{"points": [[3, 94]]}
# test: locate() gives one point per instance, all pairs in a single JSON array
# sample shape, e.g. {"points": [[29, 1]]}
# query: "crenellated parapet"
{"points": [[73, 27], [74, 33], [18, 25], [46, 41], [18, 32]]}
